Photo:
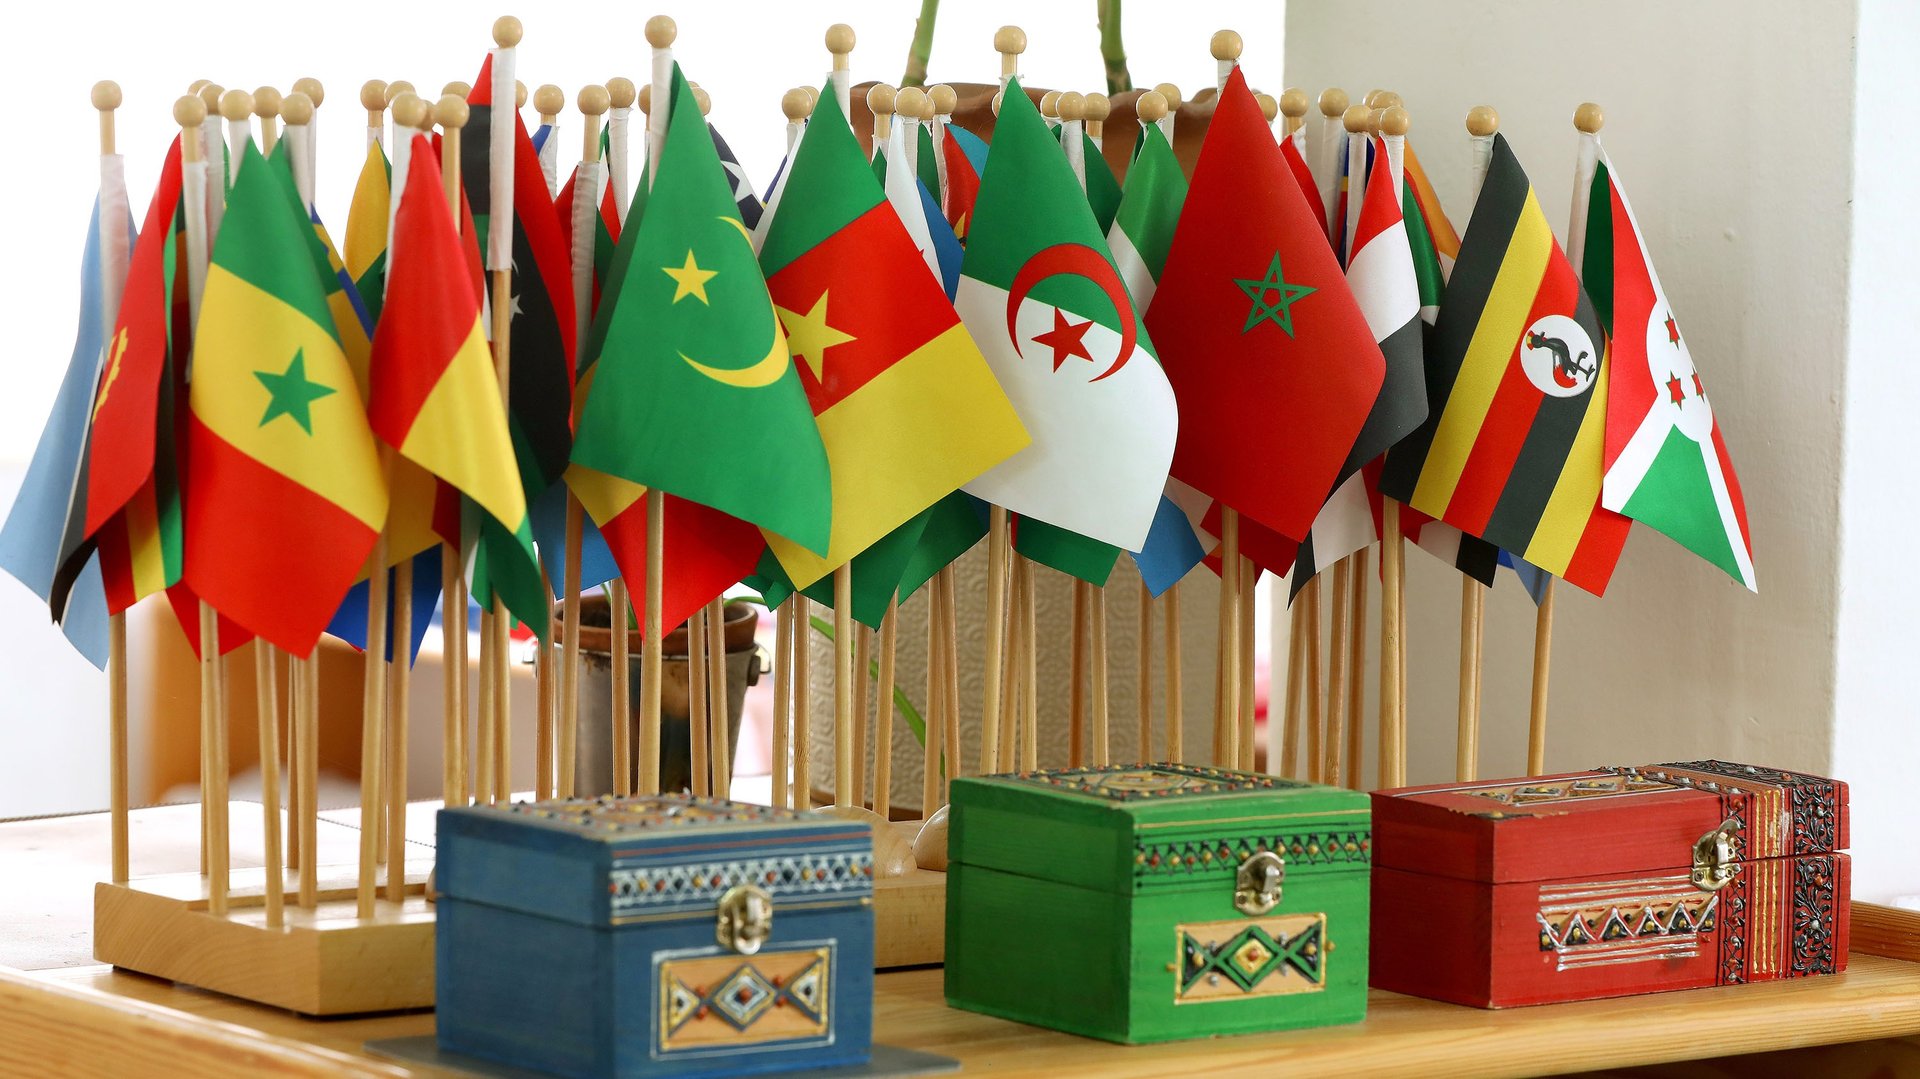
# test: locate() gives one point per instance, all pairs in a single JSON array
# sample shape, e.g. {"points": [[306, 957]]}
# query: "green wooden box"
{"points": [[1150, 902]]}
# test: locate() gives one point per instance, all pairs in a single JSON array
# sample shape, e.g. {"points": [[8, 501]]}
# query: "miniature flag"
{"points": [[1667, 464], [693, 336], [744, 199], [1293, 149], [965, 157], [913, 201], [1040, 293], [366, 240], [1446, 241], [907, 408], [285, 491], [1272, 358], [874, 574], [1511, 449]]}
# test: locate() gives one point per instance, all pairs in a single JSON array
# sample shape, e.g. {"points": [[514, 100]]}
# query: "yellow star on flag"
{"points": [[689, 280], [809, 336]]}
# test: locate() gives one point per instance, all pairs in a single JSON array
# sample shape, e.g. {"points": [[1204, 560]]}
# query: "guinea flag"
{"points": [[907, 408], [1667, 464], [285, 494], [1517, 396], [1271, 357]]}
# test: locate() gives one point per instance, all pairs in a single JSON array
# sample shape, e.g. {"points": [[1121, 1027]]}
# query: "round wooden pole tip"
{"points": [[1226, 45], [519, 94], [1010, 39], [236, 105], [621, 92], [645, 101], [1099, 107], [106, 95], [189, 110], [795, 105], [1589, 118], [813, 94], [266, 102], [296, 109], [1050, 104], [594, 99], [880, 99], [1071, 106], [1374, 119], [662, 31], [1151, 107], [311, 87], [1372, 97], [210, 95], [1171, 93], [451, 112], [1294, 103], [1482, 121], [1333, 102], [840, 39], [703, 99], [1394, 120], [373, 95], [549, 99], [945, 98], [507, 31], [194, 87], [1388, 99], [910, 101], [456, 87], [410, 110], [1355, 119], [1269, 105], [398, 87]]}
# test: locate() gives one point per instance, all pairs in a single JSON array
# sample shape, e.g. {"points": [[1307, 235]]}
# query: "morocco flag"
{"points": [[1667, 465], [1517, 396], [285, 495], [1272, 359]]}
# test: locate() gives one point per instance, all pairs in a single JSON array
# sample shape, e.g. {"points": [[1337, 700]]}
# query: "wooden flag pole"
{"points": [[451, 113], [661, 32], [194, 136], [1102, 731], [1030, 674], [936, 709], [297, 110], [1176, 735], [1333, 133], [862, 660], [1225, 47], [549, 101], [1077, 675], [1226, 724], [997, 552], [1249, 604], [782, 703], [1298, 631], [1009, 42], [373, 98], [106, 98], [266, 106], [1016, 669], [700, 768], [719, 716], [373, 717], [1356, 686], [507, 33], [950, 666], [1394, 123], [307, 802], [619, 609], [1309, 602], [801, 637], [400, 642], [840, 41], [883, 712], [593, 101], [1339, 648], [1146, 671], [213, 733], [1482, 123], [1542, 660], [843, 793], [267, 698]]}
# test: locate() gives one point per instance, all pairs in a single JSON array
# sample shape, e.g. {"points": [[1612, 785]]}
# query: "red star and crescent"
{"points": [[1065, 339], [1078, 260]]}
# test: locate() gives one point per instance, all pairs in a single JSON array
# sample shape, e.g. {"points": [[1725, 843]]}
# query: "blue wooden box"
{"points": [[661, 935]]}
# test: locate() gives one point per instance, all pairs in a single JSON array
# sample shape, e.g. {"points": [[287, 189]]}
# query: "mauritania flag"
{"points": [[366, 239], [1040, 293], [1517, 396], [1667, 465], [285, 495], [907, 408]]}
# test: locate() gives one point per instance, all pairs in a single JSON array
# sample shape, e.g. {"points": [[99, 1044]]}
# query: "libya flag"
{"points": [[908, 409], [1040, 293], [1666, 462], [694, 391], [285, 494]]}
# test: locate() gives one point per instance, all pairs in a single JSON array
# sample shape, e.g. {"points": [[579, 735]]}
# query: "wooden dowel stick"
{"points": [[1249, 605], [483, 770], [700, 774], [1466, 759], [1226, 672], [1176, 736], [1030, 675], [567, 742], [1542, 661], [936, 708], [1357, 669], [453, 719], [996, 638], [950, 646], [862, 686], [1393, 746], [621, 714], [651, 637], [267, 715], [883, 712], [1296, 690], [503, 702], [802, 702], [1076, 686], [117, 732], [309, 780], [1102, 734], [843, 698], [296, 699], [782, 703], [1309, 601], [717, 712], [400, 677], [547, 700], [1146, 672], [372, 723], [1339, 647], [1010, 686]]}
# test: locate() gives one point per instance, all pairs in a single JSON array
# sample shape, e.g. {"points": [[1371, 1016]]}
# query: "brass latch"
{"points": [[746, 919], [1714, 863], [1256, 887]]}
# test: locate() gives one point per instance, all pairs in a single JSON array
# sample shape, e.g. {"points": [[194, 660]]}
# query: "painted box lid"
{"points": [[1148, 827], [605, 861]]}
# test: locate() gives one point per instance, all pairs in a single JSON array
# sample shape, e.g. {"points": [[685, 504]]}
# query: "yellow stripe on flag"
{"points": [[604, 497], [410, 511], [337, 461], [144, 552], [1501, 322], [367, 215], [884, 467], [460, 433], [1564, 521]]}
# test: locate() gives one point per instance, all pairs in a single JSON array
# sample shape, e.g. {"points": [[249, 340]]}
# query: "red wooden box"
{"points": [[1602, 883]]}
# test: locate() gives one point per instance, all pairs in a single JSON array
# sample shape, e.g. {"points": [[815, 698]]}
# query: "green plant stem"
{"points": [[922, 45], [1113, 49]]}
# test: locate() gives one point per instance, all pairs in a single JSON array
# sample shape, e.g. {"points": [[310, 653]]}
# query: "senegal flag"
{"points": [[1667, 465], [1517, 396], [695, 392], [285, 492]]}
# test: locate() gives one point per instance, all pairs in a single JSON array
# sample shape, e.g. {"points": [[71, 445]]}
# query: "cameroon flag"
{"points": [[285, 492], [1517, 396]]}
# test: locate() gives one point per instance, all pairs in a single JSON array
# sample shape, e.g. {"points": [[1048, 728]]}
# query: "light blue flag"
{"points": [[1532, 577], [547, 516], [1171, 550]]}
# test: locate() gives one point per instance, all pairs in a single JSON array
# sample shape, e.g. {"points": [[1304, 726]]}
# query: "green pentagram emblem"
{"points": [[1280, 308], [293, 393]]}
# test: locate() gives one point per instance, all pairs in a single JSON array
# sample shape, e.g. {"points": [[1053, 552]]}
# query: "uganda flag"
{"points": [[285, 492], [1666, 462], [1517, 397]]}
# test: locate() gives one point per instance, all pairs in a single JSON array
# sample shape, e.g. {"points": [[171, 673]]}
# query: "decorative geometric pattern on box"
{"points": [[1195, 857], [1234, 960], [1137, 782], [726, 1000], [1814, 880], [616, 819], [649, 887], [1602, 923], [1803, 811], [1574, 790]]}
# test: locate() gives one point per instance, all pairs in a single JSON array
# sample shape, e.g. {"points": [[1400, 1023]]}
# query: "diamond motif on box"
{"points": [[1238, 959], [1196, 856], [651, 887], [718, 999], [1607, 786], [1138, 782], [1601, 923]]}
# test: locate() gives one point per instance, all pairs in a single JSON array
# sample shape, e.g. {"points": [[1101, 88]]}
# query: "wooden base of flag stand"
{"points": [[910, 915]]}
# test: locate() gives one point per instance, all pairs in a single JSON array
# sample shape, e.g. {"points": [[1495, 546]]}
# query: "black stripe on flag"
{"points": [[1543, 455]]}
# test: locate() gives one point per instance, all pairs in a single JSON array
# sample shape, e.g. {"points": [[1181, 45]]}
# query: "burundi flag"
{"points": [[691, 336], [366, 240], [1273, 360], [1040, 293], [908, 409], [1517, 398], [1666, 462], [285, 494]]}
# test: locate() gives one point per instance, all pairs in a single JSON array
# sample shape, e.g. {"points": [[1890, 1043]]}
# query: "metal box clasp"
{"points": [[1256, 887], [745, 919], [1714, 863]]}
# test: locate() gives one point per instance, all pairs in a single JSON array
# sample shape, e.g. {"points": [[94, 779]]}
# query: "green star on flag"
{"points": [[1280, 310], [293, 393]]}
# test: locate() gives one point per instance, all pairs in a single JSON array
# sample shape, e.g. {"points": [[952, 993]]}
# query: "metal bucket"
{"points": [[593, 738]]}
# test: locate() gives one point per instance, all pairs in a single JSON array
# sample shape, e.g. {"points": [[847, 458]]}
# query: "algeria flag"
{"points": [[1666, 462], [1040, 295]]}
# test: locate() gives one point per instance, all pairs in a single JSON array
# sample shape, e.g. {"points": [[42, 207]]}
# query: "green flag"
{"points": [[1103, 191]]}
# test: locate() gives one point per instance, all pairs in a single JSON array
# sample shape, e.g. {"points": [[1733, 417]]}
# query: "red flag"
{"points": [[1303, 176], [963, 185]]}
